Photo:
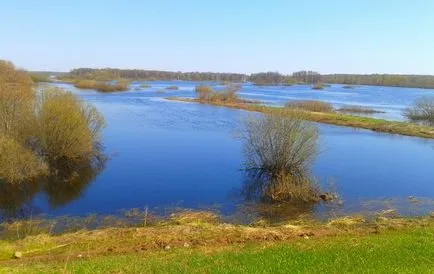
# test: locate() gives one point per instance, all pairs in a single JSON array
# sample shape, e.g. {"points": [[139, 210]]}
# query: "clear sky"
{"points": [[353, 36]]}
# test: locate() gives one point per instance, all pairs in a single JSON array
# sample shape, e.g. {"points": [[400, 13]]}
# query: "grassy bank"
{"points": [[198, 243], [339, 119]]}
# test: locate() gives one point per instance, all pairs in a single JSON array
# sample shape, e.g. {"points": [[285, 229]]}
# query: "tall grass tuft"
{"points": [[310, 105], [279, 151]]}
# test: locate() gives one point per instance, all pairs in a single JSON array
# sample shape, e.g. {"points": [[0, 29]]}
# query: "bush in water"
{"points": [[37, 130], [279, 151]]}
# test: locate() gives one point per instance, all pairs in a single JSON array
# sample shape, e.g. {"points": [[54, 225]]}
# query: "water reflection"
{"points": [[61, 187]]}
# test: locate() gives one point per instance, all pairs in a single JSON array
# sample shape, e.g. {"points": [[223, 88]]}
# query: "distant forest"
{"points": [[393, 80], [263, 78], [137, 74]]}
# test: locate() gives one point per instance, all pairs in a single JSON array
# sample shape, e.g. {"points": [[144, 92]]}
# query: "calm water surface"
{"points": [[165, 153]]}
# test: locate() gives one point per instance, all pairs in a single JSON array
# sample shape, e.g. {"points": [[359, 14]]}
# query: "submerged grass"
{"points": [[339, 119], [198, 243]]}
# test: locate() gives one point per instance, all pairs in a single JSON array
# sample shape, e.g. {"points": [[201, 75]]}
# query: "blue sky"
{"points": [[355, 36]]}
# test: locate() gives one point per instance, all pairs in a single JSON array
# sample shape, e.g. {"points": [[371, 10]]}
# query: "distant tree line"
{"points": [[306, 77], [394, 80], [136, 74], [267, 78], [262, 78]]}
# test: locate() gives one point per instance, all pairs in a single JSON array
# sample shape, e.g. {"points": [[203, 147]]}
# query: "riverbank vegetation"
{"points": [[227, 95], [421, 111], [40, 131], [310, 105], [197, 242], [39, 77], [333, 118], [359, 109], [102, 86]]}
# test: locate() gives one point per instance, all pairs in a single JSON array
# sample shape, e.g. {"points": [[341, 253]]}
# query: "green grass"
{"points": [[401, 251], [339, 119]]}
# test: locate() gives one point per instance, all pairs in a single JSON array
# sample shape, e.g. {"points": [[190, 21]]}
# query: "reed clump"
{"points": [[310, 105]]}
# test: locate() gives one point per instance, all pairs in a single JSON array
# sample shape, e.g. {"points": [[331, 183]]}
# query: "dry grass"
{"points": [[310, 105], [16, 101], [359, 109], [190, 230], [228, 95], [102, 86]]}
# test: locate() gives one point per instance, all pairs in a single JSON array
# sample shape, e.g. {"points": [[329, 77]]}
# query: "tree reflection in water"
{"points": [[65, 185]]}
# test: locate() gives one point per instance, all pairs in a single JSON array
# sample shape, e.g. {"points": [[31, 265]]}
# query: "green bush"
{"points": [[38, 131], [67, 127]]}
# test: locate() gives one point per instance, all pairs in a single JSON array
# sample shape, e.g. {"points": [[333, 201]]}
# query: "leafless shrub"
{"points": [[422, 110], [279, 151]]}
